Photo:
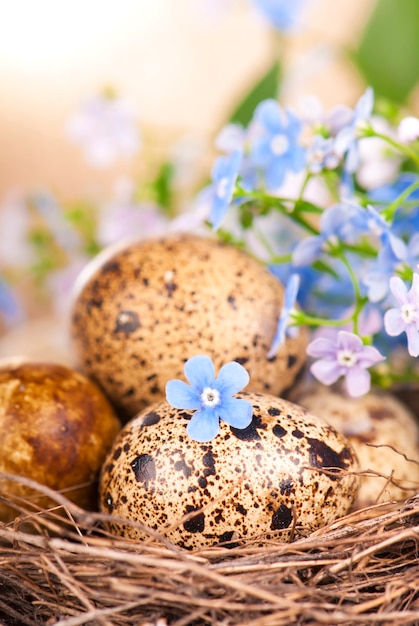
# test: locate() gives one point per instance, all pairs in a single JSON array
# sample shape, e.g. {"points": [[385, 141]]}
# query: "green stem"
{"points": [[304, 185], [389, 211], [359, 299], [276, 203], [392, 142], [301, 318]]}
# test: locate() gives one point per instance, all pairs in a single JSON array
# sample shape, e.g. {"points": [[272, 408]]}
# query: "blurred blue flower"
{"points": [[211, 397], [308, 277], [275, 148], [10, 309], [283, 14], [386, 264], [377, 278], [224, 176], [231, 137], [321, 154], [346, 142], [336, 224], [285, 318], [106, 128], [389, 192], [406, 219], [369, 220]]}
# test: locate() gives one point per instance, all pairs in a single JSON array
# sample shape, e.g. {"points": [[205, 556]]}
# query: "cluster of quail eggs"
{"points": [[141, 310]]}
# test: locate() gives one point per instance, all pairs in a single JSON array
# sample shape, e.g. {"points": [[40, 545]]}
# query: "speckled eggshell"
{"points": [[143, 309], [56, 427], [384, 434], [286, 469]]}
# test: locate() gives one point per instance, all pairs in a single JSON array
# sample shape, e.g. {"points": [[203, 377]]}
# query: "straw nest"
{"points": [[59, 566]]}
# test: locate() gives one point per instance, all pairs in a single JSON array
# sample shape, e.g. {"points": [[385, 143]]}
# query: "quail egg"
{"points": [[142, 309], [288, 469], [56, 427], [384, 434]]}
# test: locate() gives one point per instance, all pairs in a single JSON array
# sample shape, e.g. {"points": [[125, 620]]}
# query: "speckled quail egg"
{"points": [[56, 427], [287, 469], [142, 309], [384, 434]]}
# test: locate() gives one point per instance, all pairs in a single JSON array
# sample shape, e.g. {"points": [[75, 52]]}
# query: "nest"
{"points": [[59, 566]]}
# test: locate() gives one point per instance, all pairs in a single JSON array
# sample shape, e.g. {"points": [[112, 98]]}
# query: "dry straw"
{"points": [[58, 566]]}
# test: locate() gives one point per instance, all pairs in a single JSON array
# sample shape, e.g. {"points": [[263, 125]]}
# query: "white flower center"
{"points": [[210, 397], [222, 187], [317, 155], [409, 313], [346, 358], [279, 145]]}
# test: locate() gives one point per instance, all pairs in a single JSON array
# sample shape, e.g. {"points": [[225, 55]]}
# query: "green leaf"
{"points": [[266, 87], [163, 186], [303, 206], [388, 52]]}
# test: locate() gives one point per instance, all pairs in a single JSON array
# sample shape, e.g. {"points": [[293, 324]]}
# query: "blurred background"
{"points": [[181, 69]]}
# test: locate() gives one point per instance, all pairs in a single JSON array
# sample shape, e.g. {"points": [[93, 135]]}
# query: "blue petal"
{"points": [[199, 370], [227, 166], [365, 104], [398, 246], [231, 378], [352, 158], [9, 306], [219, 169], [291, 291], [333, 218], [236, 412], [182, 396], [279, 338], [297, 158], [261, 152], [307, 251], [204, 425], [268, 113], [294, 123], [275, 173], [218, 210]]}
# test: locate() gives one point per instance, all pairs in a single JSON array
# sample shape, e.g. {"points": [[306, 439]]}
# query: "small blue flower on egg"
{"points": [[211, 397]]}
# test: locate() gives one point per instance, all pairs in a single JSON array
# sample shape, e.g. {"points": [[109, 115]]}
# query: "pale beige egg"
{"points": [[384, 434], [288, 470], [142, 309]]}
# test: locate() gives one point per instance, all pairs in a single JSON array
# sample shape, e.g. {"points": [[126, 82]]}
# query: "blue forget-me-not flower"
{"points": [[211, 397], [275, 148]]}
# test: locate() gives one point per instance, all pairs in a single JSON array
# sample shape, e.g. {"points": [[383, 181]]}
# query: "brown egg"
{"points": [[143, 309], [56, 427], [287, 468], [383, 433]]}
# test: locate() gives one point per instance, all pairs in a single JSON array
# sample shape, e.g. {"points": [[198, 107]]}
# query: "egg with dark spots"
{"points": [[56, 427], [383, 432], [287, 472], [141, 309]]}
